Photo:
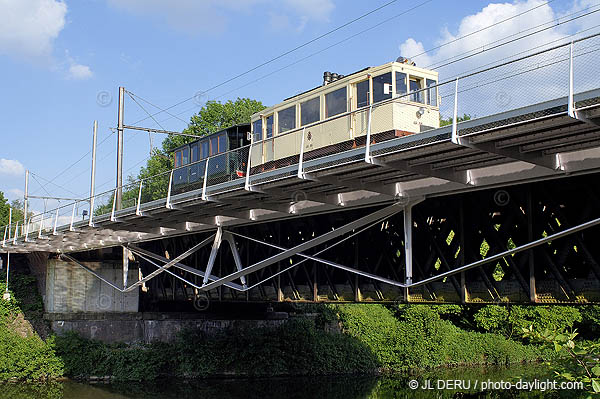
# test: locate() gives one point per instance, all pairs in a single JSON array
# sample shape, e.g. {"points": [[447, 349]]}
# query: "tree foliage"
{"points": [[445, 122], [17, 211]]}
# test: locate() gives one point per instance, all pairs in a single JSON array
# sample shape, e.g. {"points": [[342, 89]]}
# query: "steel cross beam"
{"points": [[385, 212], [181, 266]]}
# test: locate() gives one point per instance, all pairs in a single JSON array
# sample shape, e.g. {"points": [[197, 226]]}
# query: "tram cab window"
{"points": [[382, 87], [310, 111], [178, 158], [362, 94], [185, 159], [431, 92], [204, 153], [222, 143], [269, 126], [195, 156], [257, 129], [400, 83], [214, 145], [415, 84], [287, 119], [336, 102]]}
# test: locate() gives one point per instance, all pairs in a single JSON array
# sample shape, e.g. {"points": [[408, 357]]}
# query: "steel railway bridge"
{"points": [[497, 209]]}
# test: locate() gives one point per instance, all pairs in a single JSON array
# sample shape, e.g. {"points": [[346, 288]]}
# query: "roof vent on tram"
{"points": [[404, 60], [330, 77]]}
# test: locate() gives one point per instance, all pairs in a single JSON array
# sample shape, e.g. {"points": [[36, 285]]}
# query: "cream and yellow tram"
{"points": [[401, 98]]}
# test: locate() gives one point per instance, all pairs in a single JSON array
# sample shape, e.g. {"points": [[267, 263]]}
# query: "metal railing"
{"points": [[546, 75]]}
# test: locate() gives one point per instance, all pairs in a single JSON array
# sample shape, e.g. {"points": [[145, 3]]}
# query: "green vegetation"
{"points": [[415, 336], [17, 211], [23, 354], [294, 348], [579, 361], [448, 121]]}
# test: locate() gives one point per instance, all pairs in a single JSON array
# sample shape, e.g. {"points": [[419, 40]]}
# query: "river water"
{"points": [[336, 387]]}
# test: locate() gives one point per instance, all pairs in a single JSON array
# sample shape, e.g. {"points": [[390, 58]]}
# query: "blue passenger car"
{"points": [[219, 149]]}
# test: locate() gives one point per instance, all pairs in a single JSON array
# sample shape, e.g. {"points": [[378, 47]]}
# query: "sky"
{"points": [[62, 62]]}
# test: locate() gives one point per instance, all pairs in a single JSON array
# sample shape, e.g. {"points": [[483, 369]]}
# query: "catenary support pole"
{"points": [[93, 177], [26, 198], [119, 185]]}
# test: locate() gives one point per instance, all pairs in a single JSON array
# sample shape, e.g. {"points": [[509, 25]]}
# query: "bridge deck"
{"points": [[528, 144]]}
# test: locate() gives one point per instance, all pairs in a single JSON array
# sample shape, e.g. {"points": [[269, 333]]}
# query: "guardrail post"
{"points": [[454, 137], [571, 104], [4, 239], [55, 223], [205, 179], [368, 158], [16, 232], [168, 204], [112, 212], [41, 226], [301, 159], [73, 216], [139, 201], [247, 183]]}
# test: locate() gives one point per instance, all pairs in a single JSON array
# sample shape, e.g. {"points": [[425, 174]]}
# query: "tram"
{"points": [[399, 98], [391, 100]]}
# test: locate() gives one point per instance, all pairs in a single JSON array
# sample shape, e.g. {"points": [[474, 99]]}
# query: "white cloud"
{"points": [[29, 28], [15, 192], [212, 16], [80, 72], [11, 167], [489, 92]]}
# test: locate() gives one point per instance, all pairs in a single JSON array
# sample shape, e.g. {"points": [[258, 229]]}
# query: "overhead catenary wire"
{"points": [[289, 52], [360, 33]]}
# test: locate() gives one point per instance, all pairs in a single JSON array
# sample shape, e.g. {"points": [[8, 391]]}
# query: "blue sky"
{"points": [[61, 63]]}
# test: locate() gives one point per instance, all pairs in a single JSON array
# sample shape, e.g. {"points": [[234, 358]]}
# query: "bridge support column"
{"points": [[408, 250], [532, 290]]}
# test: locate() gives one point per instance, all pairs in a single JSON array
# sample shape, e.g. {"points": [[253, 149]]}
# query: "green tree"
{"points": [[444, 122], [212, 117]]}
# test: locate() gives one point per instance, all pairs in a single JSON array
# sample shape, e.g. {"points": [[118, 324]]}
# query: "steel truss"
{"points": [[351, 230]]}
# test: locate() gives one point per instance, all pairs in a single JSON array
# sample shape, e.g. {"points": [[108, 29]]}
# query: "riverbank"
{"points": [[371, 339]]}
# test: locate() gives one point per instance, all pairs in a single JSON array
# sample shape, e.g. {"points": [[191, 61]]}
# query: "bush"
{"points": [[295, 348], [510, 321], [418, 338], [27, 358]]}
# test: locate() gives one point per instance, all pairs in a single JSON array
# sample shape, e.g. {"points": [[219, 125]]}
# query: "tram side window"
{"points": [[269, 126], [257, 129], [214, 145], [310, 111], [287, 119], [336, 102], [415, 85], [431, 92], [382, 87], [362, 94], [204, 148], [400, 83], [185, 156], [195, 156], [222, 143], [177, 158]]}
